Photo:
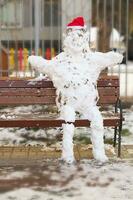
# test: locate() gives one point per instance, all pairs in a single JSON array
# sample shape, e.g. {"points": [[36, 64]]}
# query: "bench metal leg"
{"points": [[119, 141], [115, 135], [119, 130]]}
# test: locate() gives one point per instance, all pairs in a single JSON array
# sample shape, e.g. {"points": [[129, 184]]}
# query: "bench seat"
{"points": [[110, 120]]}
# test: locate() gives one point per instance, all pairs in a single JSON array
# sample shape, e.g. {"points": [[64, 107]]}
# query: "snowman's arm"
{"points": [[41, 65], [107, 59]]}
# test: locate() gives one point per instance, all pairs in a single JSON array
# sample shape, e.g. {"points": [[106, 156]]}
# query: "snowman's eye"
{"points": [[80, 35], [69, 30]]}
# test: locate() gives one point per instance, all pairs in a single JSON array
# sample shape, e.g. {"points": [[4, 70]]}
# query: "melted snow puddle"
{"points": [[52, 180]]}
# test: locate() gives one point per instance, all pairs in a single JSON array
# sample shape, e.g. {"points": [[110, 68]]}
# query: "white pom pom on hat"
{"points": [[77, 23]]}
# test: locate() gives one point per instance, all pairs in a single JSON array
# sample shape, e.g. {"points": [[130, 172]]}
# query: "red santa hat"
{"points": [[77, 23]]}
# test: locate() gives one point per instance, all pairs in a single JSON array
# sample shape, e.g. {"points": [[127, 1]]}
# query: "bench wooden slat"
{"points": [[108, 91], [103, 91], [25, 84], [43, 123], [48, 100], [5, 100], [107, 100], [108, 83], [27, 92], [103, 82]]}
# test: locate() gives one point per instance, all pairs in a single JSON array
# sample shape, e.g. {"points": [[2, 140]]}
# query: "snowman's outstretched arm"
{"points": [[107, 59], [40, 64]]}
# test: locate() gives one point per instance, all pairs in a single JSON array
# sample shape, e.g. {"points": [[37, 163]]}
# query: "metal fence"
{"points": [[36, 27], [28, 27]]}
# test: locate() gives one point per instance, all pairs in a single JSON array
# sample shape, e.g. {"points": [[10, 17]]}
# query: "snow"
{"points": [[128, 124], [14, 175], [85, 180], [74, 74], [67, 143]]}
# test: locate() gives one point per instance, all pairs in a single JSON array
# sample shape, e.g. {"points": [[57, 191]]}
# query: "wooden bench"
{"points": [[21, 92]]}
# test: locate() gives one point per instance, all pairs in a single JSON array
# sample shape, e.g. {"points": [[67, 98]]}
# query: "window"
{"points": [[11, 13], [51, 13], [28, 13]]}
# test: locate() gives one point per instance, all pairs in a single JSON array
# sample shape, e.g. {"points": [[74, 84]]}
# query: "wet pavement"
{"points": [[50, 180], [29, 173]]}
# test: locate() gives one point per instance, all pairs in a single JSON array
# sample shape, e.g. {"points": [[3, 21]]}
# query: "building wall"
{"points": [[69, 9], [131, 17]]}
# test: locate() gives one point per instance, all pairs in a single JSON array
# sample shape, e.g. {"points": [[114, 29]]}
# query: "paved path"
{"points": [[30, 155]]}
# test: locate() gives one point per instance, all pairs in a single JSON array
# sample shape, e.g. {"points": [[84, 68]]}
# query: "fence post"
{"points": [[37, 25]]}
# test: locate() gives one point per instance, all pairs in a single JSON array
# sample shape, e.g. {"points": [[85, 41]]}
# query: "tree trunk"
{"points": [[104, 26]]}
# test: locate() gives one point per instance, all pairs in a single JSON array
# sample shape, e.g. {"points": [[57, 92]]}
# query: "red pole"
{"points": [[48, 54]]}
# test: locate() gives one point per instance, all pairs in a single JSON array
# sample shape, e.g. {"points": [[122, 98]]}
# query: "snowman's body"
{"points": [[75, 81], [74, 73]]}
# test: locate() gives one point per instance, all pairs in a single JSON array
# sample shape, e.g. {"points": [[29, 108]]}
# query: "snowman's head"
{"points": [[76, 37]]}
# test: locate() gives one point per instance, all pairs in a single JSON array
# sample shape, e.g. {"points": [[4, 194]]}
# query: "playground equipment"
{"points": [[21, 62]]}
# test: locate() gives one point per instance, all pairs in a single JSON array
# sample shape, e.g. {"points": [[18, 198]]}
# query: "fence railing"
{"points": [[36, 27]]}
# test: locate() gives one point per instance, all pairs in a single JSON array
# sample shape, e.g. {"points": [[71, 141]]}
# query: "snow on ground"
{"points": [[54, 181], [128, 125]]}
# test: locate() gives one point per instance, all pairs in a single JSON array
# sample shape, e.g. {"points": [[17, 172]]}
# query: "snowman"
{"points": [[74, 73]]}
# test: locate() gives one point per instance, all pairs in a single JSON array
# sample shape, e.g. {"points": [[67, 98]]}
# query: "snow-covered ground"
{"points": [[54, 181]]}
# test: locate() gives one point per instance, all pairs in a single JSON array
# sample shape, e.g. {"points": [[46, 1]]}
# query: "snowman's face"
{"points": [[75, 40]]}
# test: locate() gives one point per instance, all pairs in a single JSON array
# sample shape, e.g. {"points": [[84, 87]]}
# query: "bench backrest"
{"points": [[21, 92]]}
